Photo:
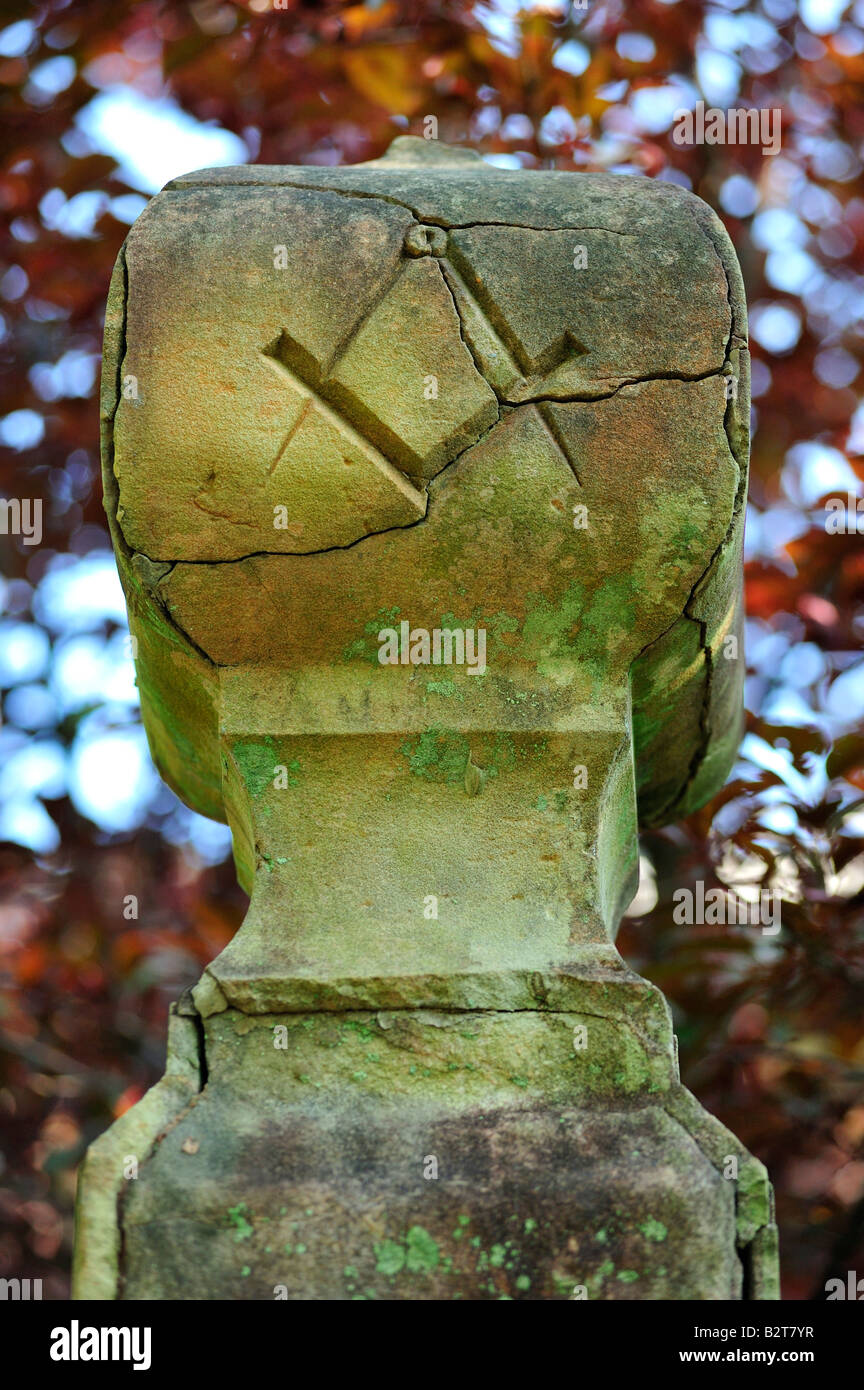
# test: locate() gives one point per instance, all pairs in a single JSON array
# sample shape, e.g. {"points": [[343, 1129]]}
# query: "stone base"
{"points": [[426, 1156]]}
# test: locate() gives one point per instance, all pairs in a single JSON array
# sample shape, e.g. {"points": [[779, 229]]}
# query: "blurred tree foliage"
{"points": [[770, 1027]]}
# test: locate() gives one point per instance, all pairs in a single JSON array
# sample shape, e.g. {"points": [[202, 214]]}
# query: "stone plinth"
{"points": [[354, 420]]}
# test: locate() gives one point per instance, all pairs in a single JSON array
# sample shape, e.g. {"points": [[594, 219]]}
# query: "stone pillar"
{"points": [[426, 483]]}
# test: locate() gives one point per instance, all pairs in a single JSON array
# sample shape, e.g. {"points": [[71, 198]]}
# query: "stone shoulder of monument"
{"points": [[389, 328]]}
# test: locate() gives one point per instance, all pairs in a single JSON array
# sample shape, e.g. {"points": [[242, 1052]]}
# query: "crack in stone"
{"points": [[176, 187], [423, 218], [126, 1188], [535, 227], [734, 342], [738, 502], [564, 350], [572, 397], [328, 549], [271, 355], [123, 349], [584, 399], [515, 405], [478, 367]]}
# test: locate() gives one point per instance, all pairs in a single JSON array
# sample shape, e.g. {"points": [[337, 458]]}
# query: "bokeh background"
{"points": [[102, 102]]}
